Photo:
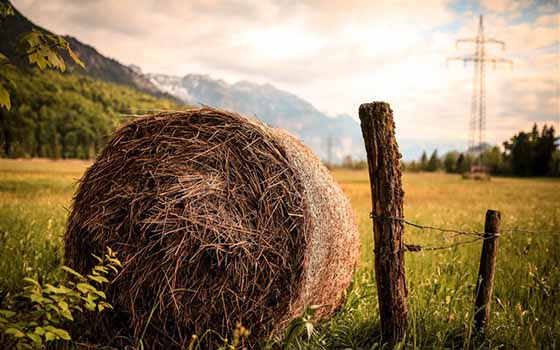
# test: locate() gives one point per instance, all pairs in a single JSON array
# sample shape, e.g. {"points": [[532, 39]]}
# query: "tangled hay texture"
{"points": [[217, 219]]}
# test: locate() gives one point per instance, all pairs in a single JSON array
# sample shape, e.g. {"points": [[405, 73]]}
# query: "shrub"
{"points": [[41, 313]]}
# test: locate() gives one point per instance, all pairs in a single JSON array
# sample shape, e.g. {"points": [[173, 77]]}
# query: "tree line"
{"points": [[58, 115], [534, 153]]}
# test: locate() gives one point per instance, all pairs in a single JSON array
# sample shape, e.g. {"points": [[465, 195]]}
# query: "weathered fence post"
{"points": [[378, 129], [486, 271]]}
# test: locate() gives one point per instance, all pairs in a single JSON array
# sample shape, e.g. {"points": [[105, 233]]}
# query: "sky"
{"points": [[341, 53]]}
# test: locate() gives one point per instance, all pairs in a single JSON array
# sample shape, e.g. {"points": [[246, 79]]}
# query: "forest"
{"points": [[57, 115], [533, 153]]}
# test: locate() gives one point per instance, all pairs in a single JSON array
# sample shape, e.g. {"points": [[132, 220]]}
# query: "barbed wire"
{"points": [[426, 227], [415, 248], [517, 230], [419, 248], [478, 236]]}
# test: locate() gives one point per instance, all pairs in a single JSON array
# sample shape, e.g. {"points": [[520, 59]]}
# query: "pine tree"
{"points": [[433, 163], [423, 161]]}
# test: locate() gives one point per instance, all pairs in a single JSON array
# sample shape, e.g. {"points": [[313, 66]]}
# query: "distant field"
{"points": [[35, 195]]}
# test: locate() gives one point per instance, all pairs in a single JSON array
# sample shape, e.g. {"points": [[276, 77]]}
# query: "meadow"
{"points": [[35, 196]]}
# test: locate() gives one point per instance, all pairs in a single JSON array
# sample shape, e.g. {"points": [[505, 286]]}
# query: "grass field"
{"points": [[35, 195]]}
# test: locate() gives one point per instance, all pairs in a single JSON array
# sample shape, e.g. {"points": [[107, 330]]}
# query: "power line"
{"points": [[477, 121]]}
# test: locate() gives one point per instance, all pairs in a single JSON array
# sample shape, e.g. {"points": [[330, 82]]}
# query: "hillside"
{"points": [[273, 106], [66, 116], [97, 65], [263, 101]]}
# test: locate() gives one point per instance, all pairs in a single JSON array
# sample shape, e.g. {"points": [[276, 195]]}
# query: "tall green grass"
{"points": [[35, 196]]}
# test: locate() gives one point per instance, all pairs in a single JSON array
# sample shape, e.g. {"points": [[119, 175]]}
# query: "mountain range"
{"points": [[275, 107], [97, 65], [263, 101]]}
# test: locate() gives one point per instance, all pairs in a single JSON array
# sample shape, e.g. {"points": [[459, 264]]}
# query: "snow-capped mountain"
{"points": [[275, 107]]}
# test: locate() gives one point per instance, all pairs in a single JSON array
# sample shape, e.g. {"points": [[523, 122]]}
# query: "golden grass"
{"points": [[526, 309]]}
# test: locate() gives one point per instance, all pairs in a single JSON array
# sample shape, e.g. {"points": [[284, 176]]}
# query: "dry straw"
{"points": [[217, 219]]}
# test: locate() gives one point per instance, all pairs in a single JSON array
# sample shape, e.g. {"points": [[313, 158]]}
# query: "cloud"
{"points": [[512, 8], [336, 54]]}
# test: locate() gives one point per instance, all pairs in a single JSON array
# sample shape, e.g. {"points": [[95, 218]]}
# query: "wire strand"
{"points": [[424, 227], [478, 236]]}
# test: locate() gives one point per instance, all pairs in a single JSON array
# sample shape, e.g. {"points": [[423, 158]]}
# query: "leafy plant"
{"points": [[49, 308], [41, 49], [237, 341], [299, 326], [6, 9]]}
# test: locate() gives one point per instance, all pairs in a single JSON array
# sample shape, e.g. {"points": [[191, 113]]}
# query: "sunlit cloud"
{"points": [[338, 54]]}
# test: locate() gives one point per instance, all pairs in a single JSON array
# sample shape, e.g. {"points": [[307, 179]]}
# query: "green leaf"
{"points": [[103, 305], [6, 9], [39, 330], [115, 262], [30, 41], [85, 288], [7, 313], [5, 98], [61, 333], [39, 299], [101, 269], [35, 38], [75, 57], [58, 332], [77, 308], [38, 59], [49, 336], [65, 310], [34, 337], [15, 332], [57, 290], [54, 60], [49, 307], [98, 279], [72, 271], [101, 294], [91, 297], [43, 50], [90, 305], [26, 346], [32, 281]]}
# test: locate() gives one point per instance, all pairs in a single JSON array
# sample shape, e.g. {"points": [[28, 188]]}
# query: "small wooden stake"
{"points": [[378, 129], [487, 269]]}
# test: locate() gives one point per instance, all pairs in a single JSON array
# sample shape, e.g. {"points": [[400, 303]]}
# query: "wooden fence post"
{"points": [[378, 129], [486, 271]]}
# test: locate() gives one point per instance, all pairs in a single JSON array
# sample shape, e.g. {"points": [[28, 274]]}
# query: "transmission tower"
{"points": [[477, 122], [329, 151]]}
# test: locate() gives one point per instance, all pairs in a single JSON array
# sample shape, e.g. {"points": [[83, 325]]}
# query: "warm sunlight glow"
{"points": [[278, 43]]}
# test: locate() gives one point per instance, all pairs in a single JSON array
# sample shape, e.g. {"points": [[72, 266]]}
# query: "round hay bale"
{"points": [[217, 219]]}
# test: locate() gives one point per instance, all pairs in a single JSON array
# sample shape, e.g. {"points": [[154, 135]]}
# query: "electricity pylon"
{"points": [[477, 123], [329, 151]]}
